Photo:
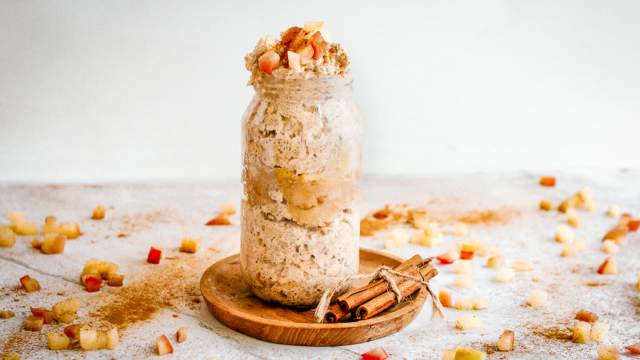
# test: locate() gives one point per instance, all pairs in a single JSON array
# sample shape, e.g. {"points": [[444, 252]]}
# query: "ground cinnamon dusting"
{"points": [[553, 333], [491, 216], [174, 284]]}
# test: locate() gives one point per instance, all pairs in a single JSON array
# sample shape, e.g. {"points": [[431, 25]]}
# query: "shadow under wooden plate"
{"points": [[233, 304]]}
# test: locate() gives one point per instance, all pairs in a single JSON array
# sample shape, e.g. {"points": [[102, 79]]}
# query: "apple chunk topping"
{"points": [[507, 340], [29, 284], [163, 345], [375, 354]]}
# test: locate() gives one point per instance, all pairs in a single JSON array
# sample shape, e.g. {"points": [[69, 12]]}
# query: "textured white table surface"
{"points": [[140, 216]]}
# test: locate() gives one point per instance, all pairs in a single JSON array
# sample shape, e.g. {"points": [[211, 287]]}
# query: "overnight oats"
{"points": [[301, 168]]}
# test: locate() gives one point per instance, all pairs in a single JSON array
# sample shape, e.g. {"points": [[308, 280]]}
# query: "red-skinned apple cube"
{"points": [[155, 254], [73, 331], [45, 314], [268, 61], [29, 284], [92, 283], [375, 354]]}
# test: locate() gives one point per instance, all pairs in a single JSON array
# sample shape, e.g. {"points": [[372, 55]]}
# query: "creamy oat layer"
{"points": [[301, 166]]}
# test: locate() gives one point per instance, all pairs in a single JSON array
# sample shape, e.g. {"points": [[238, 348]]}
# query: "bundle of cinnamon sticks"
{"points": [[369, 300]]}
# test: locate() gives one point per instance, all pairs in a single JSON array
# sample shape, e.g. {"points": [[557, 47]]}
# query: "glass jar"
{"points": [[301, 172]]}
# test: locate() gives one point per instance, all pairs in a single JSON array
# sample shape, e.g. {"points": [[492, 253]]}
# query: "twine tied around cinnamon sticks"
{"points": [[382, 291]]}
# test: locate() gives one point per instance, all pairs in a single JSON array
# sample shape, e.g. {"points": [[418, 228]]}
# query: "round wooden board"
{"points": [[233, 304]]}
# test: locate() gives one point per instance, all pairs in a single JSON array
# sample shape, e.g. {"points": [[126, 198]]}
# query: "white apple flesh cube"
{"points": [[7, 236], [98, 213], [582, 332], [467, 322], [465, 353], [445, 297], [26, 228], [599, 331], [181, 334], [564, 234], [57, 341], [505, 275], [70, 230], [88, 338], [537, 298], [163, 345], [506, 342], [189, 245], [113, 339], [268, 61], [462, 267], [294, 61], [66, 310], [608, 353]]}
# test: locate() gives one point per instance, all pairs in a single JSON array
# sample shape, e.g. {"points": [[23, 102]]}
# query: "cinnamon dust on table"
{"points": [[174, 284], [500, 215]]}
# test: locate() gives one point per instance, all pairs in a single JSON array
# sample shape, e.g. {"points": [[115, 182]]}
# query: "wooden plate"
{"points": [[232, 303]]}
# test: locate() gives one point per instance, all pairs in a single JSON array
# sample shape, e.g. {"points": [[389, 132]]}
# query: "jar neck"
{"points": [[320, 88]]}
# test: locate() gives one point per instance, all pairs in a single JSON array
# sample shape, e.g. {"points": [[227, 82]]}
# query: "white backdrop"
{"points": [[129, 90]]}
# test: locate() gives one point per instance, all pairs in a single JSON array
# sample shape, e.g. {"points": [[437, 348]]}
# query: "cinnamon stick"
{"points": [[388, 299], [354, 298], [335, 314]]}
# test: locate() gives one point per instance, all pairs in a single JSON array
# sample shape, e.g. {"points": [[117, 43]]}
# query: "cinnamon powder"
{"points": [[174, 284]]}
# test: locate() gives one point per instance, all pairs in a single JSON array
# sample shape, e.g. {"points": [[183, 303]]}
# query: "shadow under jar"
{"points": [[301, 172]]}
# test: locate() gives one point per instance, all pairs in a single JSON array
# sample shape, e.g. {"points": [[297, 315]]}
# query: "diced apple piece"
{"points": [[467, 250], [613, 211], [462, 267], [634, 349], [467, 322], [88, 338], [101, 339], [45, 314], [33, 323], [227, 209], [429, 236], [50, 225], [154, 256], [294, 61], [115, 280], [599, 331], [375, 354], [53, 244], [189, 245], [463, 281], [586, 316], [463, 303], [66, 310], [608, 353], [447, 258], [92, 283], [573, 219], [610, 247], [547, 181], [608, 267], [6, 314], [445, 297], [505, 275], [268, 61], [26, 228], [219, 220], [495, 261], [98, 212], [306, 54], [507, 341], [546, 205], [633, 225], [617, 234], [29, 284], [582, 332], [73, 331], [163, 345], [15, 216], [36, 243], [7, 236], [181, 334], [479, 303], [449, 354], [564, 234], [521, 265], [113, 339], [70, 230], [312, 27], [57, 341], [465, 353], [537, 298]]}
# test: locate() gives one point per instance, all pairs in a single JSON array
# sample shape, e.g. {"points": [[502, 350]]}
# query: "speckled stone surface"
{"points": [[139, 216]]}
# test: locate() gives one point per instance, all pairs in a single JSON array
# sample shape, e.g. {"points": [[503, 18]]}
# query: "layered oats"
{"points": [[301, 167]]}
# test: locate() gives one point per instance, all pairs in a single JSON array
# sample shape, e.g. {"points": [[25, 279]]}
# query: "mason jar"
{"points": [[301, 172]]}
